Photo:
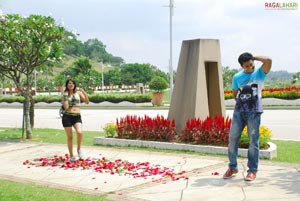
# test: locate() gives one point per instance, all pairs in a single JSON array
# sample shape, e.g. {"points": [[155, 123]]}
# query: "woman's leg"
{"points": [[69, 134], [78, 129]]}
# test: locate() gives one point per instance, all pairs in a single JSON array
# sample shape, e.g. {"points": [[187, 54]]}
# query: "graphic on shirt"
{"points": [[74, 101], [247, 98]]}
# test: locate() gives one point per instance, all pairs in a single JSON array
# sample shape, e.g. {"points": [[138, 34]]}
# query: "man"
{"points": [[247, 86]]}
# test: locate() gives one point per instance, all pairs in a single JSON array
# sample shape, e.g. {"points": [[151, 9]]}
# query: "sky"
{"points": [[139, 30]]}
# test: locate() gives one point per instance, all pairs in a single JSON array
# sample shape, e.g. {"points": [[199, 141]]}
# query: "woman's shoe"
{"points": [[73, 159], [80, 155]]}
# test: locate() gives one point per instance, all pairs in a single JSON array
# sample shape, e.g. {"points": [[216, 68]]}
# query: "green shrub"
{"points": [[46, 99], [110, 129], [94, 98], [158, 84], [265, 135]]}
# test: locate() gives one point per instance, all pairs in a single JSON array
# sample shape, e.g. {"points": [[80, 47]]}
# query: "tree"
{"points": [[72, 46], [88, 79], [296, 78], [227, 77], [136, 73], [113, 77], [25, 44], [82, 72], [95, 49], [116, 60], [82, 65], [158, 72]]}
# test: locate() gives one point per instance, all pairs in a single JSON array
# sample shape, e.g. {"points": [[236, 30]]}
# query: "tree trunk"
{"points": [[31, 111], [27, 117]]}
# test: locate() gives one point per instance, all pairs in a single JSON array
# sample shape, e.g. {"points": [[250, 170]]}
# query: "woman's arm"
{"points": [[65, 101], [83, 96]]}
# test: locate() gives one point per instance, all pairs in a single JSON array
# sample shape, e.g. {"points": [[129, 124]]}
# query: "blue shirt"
{"points": [[249, 87]]}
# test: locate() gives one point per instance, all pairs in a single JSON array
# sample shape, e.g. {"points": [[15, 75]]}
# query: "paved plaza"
{"points": [[275, 181], [202, 175]]}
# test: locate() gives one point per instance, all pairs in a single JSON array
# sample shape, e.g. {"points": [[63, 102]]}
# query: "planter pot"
{"points": [[157, 98], [268, 154]]}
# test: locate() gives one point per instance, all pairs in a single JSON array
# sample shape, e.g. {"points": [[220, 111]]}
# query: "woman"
{"points": [[71, 116]]}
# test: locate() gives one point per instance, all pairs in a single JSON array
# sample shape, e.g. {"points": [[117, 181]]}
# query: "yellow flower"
{"points": [[265, 135], [110, 129]]}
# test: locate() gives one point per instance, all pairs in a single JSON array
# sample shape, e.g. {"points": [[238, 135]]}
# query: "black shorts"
{"points": [[69, 120]]}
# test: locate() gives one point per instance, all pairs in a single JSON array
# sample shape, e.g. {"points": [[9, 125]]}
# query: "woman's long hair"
{"points": [[66, 86]]}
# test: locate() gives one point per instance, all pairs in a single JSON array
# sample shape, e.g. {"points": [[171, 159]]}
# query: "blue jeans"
{"points": [[239, 121]]}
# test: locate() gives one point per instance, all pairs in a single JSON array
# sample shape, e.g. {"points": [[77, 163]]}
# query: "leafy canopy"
{"points": [[158, 84], [26, 43]]}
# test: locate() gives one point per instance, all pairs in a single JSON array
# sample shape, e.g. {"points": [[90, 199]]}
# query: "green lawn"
{"points": [[56, 136], [287, 151], [13, 191]]}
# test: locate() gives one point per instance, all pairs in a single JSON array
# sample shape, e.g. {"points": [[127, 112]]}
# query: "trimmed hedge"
{"points": [[95, 98]]}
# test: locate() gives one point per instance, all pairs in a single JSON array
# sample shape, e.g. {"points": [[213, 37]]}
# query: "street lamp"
{"points": [[171, 6], [102, 80]]}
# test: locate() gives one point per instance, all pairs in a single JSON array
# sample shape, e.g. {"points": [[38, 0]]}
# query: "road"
{"points": [[285, 124]]}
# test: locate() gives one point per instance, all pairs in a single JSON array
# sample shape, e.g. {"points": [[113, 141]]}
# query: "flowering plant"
{"points": [[211, 131], [265, 135], [147, 128], [288, 93], [110, 129]]}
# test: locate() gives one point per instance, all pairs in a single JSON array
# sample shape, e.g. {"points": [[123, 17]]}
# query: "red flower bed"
{"points": [[287, 93], [104, 165], [146, 128], [211, 131]]}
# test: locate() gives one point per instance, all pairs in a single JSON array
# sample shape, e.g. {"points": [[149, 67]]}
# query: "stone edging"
{"points": [[269, 153]]}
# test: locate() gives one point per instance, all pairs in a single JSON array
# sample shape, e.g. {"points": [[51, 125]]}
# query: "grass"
{"points": [[287, 151], [13, 191], [55, 136]]}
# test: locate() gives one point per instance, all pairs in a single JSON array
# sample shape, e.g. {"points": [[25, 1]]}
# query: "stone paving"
{"points": [[275, 181]]}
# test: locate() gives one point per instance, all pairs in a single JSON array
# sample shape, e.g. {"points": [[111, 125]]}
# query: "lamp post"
{"points": [[102, 76], [171, 6]]}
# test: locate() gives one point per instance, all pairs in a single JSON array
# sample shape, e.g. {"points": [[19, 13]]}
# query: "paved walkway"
{"points": [[275, 181]]}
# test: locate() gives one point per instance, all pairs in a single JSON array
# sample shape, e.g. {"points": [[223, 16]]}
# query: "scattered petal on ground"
{"points": [[104, 165]]}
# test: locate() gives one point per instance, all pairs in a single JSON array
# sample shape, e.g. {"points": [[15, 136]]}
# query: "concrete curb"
{"points": [[270, 153]]}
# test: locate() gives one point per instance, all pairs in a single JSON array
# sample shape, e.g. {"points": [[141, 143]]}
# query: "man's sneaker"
{"points": [[230, 173], [250, 176]]}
